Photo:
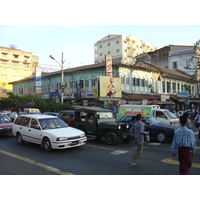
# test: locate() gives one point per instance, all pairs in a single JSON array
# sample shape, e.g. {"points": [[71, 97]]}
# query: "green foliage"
{"points": [[45, 105]]}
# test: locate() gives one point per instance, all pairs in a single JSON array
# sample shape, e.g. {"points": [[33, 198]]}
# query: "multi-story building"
{"points": [[15, 65], [123, 49], [175, 57], [139, 81]]}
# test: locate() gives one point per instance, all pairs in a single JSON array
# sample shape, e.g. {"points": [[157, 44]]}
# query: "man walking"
{"points": [[138, 130], [185, 141]]}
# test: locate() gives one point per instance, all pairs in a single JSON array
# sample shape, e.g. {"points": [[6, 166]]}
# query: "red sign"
{"points": [[108, 62]]}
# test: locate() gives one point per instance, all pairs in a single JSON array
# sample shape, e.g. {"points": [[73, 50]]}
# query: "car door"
{"points": [[35, 132], [24, 129]]}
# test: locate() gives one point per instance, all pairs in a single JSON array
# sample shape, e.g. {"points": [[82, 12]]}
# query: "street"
{"points": [[94, 158]]}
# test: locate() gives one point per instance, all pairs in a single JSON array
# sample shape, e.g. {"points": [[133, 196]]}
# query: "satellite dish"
{"points": [[12, 46]]}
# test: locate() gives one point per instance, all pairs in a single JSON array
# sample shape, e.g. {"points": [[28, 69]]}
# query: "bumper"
{"points": [[68, 144]]}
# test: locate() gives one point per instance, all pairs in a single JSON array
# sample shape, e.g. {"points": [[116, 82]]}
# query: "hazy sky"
{"points": [[77, 41], [50, 28]]}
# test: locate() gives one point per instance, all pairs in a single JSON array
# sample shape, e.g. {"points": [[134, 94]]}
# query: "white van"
{"points": [[164, 115], [31, 110]]}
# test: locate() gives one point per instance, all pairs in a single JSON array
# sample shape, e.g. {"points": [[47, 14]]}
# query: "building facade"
{"points": [[15, 65], [123, 49], [140, 81]]}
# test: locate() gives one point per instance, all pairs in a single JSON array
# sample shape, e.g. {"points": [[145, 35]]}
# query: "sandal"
{"points": [[133, 163]]}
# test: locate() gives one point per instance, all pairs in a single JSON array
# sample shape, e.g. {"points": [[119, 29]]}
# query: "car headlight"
{"points": [[119, 126], [127, 126], [61, 139], [82, 135]]}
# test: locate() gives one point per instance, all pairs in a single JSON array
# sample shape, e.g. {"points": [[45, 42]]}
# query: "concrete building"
{"points": [[15, 65], [123, 49], [139, 81], [180, 59]]}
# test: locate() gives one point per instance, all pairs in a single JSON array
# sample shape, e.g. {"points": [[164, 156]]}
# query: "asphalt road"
{"points": [[94, 158]]}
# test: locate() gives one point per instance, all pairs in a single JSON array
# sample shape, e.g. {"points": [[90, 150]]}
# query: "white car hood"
{"points": [[65, 132]]}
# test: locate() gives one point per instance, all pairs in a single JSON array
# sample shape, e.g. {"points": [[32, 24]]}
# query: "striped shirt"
{"points": [[183, 137], [197, 118]]}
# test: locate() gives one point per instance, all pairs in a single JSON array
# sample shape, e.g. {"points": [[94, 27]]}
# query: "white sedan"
{"points": [[48, 131]]}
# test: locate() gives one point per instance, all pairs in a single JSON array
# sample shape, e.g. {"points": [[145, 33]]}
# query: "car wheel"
{"points": [[19, 138], [161, 137], [47, 144], [110, 138]]}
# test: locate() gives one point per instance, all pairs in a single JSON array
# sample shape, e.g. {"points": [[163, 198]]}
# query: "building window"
{"points": [[15, 56], [94, 82], [174, 65], [122, 80], [3, 91], [117, 42], [101, 54], [3, 84], [173, 87], [109, 52], [163, 86], [4, 76], [168, 87], [15, 78], [86, 83], [178, 87], [100, 46], [108, 44], [127, 80], [117, 50]]}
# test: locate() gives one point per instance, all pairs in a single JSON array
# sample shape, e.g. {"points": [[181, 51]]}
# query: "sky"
{"points": [[72, 27], [77, 41]]}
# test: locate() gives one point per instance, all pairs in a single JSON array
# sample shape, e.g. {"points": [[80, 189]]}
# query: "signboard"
{"points": [[108, 61], [68, 96], [110, 87], [85, 102], [38, 79], [182, 94]]}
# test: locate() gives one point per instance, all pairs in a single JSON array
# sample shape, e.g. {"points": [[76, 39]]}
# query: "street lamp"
{"points": [[62, 75]]}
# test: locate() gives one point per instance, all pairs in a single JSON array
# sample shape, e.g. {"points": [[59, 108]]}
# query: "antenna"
{"points": [[12, 46]]}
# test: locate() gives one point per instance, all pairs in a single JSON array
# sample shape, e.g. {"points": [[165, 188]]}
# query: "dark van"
{"points": [[67, 116]]}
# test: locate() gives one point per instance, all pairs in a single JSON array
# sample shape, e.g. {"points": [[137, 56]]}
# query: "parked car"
{"points": [[48, 131], [5, 125], [160, 132], [100, 123], [68, 116]]}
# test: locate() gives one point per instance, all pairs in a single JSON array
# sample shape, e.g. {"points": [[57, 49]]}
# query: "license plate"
{"points": [[74, 143]]}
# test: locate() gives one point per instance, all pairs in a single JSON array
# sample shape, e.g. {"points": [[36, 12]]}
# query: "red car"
{"points": [[68, 116], [5, 125]]}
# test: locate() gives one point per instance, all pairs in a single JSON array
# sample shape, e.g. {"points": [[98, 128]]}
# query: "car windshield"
{"points": [[107, 115], [153, 120], [52, 123], [169, 114], [3, 119]]}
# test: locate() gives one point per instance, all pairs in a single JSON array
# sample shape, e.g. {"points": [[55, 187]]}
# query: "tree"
{"points": [[16, 102]]}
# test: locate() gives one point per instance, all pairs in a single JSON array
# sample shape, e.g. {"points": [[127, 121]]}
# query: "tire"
{"points": [[19, 138], [161, 137], [110, 138], [47, 144]]}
